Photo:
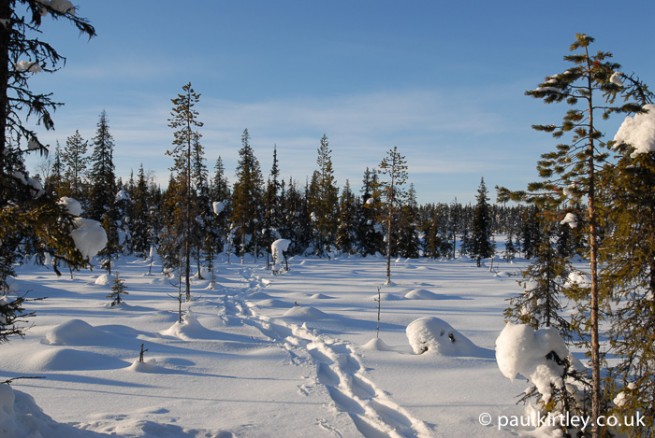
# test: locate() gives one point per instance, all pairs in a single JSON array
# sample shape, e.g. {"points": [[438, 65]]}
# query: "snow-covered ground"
{"points": [[263, 355]]}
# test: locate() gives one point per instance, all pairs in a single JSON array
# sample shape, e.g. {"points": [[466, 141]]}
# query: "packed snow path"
{"points": [[338, 369]]}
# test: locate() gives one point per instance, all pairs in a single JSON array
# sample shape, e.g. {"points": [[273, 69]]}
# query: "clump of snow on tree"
{"points": [[577, 279], [570, 219], [523, 351], [73, 206], [638, 131], [617, 78], [29, 66], [218, 207], [89, 237], [431, 334]]}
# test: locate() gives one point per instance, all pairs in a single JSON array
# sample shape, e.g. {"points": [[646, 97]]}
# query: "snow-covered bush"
{"points": [[278, 248], [430, 334], [542, 357]]}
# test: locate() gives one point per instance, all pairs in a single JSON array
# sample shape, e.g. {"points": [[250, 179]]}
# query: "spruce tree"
{"points": [[369, 233], [481, 245], [393, 168], [27, 211], [628, 274], [272, 215], [140, 242], [220, 192], [101, 174], [347, 227], [75, 165], [184, 121], [246, 198], [323, 199]]}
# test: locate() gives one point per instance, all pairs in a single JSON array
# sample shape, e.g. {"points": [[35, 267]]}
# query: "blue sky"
{"points": [[443, 81]]}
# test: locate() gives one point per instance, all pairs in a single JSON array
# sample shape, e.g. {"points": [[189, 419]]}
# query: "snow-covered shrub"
{"points": [[430, 334], [542, 357], [278, 248]]}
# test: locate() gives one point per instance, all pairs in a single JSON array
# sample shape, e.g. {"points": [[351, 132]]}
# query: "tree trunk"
{"points": [[5, 16]]}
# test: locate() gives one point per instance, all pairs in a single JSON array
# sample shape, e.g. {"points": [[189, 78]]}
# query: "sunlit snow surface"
{"points": [[293, 354]]}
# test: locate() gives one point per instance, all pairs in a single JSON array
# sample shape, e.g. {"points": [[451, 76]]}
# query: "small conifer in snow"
{"points": [[117, 290]]}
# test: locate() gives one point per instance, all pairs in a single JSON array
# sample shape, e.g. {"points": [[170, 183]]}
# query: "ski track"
{"points": [[338, 368]]}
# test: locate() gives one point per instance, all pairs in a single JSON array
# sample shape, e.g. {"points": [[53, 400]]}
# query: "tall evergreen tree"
{"points": [[346, 239], [272, 205], [394, 168], [369, 232], [140, 243], [101, 175], [481, 245], [220, 192], [184, 120], [628, 273], [590, 87], [75, 165], [324, 198], [25, 210], [246, 198]]}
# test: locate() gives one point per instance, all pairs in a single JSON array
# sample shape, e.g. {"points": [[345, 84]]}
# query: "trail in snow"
{"points": [[338, 368]]}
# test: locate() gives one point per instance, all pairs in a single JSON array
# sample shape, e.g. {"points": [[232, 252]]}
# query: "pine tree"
{"points": [[246, 198], [184, 120], [590, 88], [394, 168], [369, 233], [481, 245]]}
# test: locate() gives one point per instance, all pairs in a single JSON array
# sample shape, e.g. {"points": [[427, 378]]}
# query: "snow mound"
{"points": [[102, 280], [189, 328], [65, 359], [376, 344], [275, 303], [386, 296], [320, 297], [437, 336], [523, 351], [302, 312], [259, 296], [20, 416], [74, 332], [421, 294], [148, 366]]}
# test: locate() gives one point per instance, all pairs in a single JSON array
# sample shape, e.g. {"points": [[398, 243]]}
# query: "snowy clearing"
{"points": [[263, 355]]}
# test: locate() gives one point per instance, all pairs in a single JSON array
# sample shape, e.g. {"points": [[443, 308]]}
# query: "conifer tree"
{"points": [[347, 227], [220, 192], [272, 205], [394, 168], [590, 87], [75, 165], [246, 198], [26, 211], [369, 233], [140, 241], [184, 120], [323, 198], [480, 245], [628, 259], [118, 289], [101, 174]]}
